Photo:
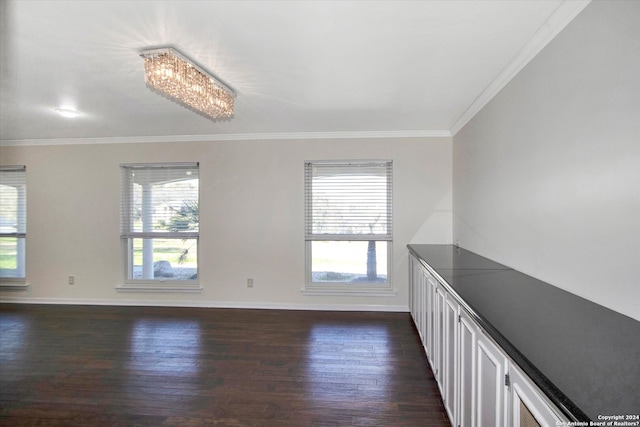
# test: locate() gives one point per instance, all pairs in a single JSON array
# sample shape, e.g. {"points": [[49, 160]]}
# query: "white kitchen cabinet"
{"points": [[419, 300], [467, 372], [480, 385], [450, 355], [414, 271], [431, 285], [439, 335], [529, 406], [491, 370], [422, 313]]}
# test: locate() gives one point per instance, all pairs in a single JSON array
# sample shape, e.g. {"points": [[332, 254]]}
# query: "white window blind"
{"points": [[13, 220], [348, 200], [13, 201]]}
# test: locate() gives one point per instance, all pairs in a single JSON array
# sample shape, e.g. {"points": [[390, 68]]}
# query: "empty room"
{"points": [[414, 213]]}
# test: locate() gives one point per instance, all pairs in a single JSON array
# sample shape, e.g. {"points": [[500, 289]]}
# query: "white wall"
{"points": [[547, 175], [251, 210]]}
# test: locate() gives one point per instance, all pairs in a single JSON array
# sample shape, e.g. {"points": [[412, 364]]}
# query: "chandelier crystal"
{"points": [[173, 75]]}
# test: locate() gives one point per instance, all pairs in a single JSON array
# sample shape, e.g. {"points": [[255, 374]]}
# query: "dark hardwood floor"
{"points": [[127, 366]]}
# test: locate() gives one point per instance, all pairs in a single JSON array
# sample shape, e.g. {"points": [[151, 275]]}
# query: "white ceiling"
{"points": [[299, 67]]}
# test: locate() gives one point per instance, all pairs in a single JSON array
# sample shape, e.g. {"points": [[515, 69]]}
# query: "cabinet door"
{"points": [[491, 389], [449, 363], [438, 343], [423, 307], [411, 284], [413, 275], [430, 315], [427, 279], [416, 295], [468, 334], [529, 406], [420, 304]]}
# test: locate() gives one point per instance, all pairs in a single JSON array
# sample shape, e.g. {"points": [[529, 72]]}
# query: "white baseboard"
{"points": [[210, 304]]}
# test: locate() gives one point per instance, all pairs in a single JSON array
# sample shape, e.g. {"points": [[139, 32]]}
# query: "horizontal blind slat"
{"points": [[348, 199], [13, 201]]}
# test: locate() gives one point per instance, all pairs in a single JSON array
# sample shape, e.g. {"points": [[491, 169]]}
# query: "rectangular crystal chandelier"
{"points": [[176, 77]]}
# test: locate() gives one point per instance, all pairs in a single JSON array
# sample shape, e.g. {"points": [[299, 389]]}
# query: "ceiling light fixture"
{"points": [[175, 76], [65, 112]]}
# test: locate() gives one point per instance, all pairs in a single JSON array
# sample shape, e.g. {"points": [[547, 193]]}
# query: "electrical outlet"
{"points": [[249, 283], [72, 280]]}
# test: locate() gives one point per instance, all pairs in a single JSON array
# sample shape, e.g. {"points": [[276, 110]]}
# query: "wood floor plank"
{"points": [[154, 366]]}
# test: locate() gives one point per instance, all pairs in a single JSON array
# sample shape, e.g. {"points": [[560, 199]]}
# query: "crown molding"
{"points": [[560, 18], [229, 137]]}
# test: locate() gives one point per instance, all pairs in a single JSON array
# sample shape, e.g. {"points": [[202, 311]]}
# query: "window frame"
{"points": [[362, 288], [128, 236], [20, 228]]}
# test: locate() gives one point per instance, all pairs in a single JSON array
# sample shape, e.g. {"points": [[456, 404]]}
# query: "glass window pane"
{"points": [[12, 253], [171, 206], [349, 261], [163, 259]]}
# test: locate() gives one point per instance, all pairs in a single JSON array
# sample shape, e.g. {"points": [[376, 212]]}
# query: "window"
{"points": [[13, 223], [348, 225], [159, 224]]}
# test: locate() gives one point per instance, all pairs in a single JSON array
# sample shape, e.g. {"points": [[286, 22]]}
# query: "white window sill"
{"points": [[13, 284]]}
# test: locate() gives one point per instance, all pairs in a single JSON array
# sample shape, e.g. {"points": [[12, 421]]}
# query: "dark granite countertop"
{"points": [[583, 356]]}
